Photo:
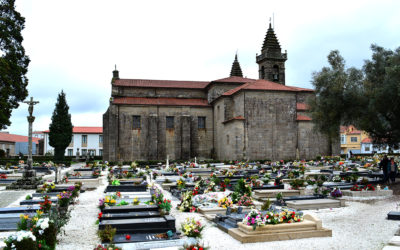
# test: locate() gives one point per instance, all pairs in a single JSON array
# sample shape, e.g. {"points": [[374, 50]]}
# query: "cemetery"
{"points": [[138, 207]]}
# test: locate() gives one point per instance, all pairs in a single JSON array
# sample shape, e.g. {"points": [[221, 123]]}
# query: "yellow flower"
{"points": [[26, 217], [21, 216], [39, 212], [112, 201], [35, 219]]}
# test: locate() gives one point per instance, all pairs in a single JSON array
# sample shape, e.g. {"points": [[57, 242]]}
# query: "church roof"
{"points": [[235, 79], [145, 83], [260, 85], [236, 70], [270, 41], [303, 118], [301, 106], [161, 101]]}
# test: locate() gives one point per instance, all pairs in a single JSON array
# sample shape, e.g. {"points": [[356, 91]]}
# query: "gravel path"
{"points": [[81, 230], [359, 225]]}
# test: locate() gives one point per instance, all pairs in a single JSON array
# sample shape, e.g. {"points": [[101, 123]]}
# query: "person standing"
{"points": [[384, 166], [392, 167]]}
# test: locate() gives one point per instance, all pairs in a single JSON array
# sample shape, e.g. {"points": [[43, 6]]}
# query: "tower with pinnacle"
{"points": [[236, 70], [271, 61]]}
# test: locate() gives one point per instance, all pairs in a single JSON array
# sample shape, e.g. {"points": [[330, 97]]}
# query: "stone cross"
{"points": [[31, 119], [195, 161]]}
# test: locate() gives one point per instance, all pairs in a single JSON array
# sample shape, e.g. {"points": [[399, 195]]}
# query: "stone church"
{"points": [[232, 118]]}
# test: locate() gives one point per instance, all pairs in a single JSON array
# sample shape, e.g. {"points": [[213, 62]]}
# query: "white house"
{"points": [[367, 147], [86, 140]]}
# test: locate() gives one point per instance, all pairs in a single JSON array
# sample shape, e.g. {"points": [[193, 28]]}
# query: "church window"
{"points": [[276, 73], [201, 122], [136, 122], [227, 139], [170, 122]]}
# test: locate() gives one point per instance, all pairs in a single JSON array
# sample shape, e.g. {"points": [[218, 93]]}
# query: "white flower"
{"points": [[41, 232], [2, 244]]}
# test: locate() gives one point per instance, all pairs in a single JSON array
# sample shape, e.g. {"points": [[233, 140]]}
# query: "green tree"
{"points": [[380, 109], [13, 62], [60, 134], [336, 97]]}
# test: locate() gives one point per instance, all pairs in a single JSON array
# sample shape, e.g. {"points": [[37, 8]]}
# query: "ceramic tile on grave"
{"points": [[8, 222], [126, 188]]}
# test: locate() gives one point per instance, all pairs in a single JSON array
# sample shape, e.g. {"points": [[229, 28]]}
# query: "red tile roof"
{"points": [[354, 132], [367, 140], [261, 85], [84, 130], [301, 89], [161, 101], [303, 118], [235, 79], [235, 118], [343, 129], [16, 138], [301, 106], [144, 83]]}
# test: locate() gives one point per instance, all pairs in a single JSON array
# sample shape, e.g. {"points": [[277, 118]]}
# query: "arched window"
{"points": [[275, 73], [227, 139]]}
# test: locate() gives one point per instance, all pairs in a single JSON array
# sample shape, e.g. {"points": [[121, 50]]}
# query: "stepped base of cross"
{"points": [[28, 181]]}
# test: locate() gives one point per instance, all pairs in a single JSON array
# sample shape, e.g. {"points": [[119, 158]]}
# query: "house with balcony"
{"points": [[85, 141]]}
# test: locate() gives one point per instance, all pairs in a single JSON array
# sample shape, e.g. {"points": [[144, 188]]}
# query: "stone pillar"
{"points": [[152, 137], [185, 137], [31, 119]]}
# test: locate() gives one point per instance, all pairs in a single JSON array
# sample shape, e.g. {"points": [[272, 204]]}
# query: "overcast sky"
{"points": [[73, 45]]}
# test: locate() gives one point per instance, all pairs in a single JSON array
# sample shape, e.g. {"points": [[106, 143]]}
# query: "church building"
{"points": [[233, 118]]}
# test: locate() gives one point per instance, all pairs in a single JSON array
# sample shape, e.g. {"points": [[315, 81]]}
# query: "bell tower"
{"points": [[271, 62]]}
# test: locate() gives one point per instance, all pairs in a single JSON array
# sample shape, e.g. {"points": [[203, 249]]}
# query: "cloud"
{"points": [[73, 45]]}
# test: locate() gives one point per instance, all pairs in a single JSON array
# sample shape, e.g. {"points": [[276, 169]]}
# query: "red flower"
{"points": [[100, 215], [200, 248], [127, 237], [40, 245]]}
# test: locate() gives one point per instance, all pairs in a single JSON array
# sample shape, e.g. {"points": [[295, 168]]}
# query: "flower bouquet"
{"points": [[165, 206], [225, 202], [245, 201], [64, 198], [181, 184], [336, 193], [3, 176], [369, 187], [192, 228], [355, 188], [45, 206], [254, 219]]}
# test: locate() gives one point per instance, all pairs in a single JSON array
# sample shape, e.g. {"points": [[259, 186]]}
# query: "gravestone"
{"points": [[142, 225]]}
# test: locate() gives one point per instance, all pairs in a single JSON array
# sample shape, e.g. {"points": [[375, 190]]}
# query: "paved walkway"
{"points": [[81, 230]]}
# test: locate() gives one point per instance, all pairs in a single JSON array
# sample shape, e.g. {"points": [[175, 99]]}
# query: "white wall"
{"points": [[92, 144]]}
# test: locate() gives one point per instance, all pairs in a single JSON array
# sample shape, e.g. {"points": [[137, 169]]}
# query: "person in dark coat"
{"points": [[384, 166], [392, 167]]}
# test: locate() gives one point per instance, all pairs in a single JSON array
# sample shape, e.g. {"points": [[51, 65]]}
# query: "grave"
{"points": [[9, 221], [368, 194], [129, 208], [36, 201], [271, 193], [315, 204], [210, 212], [304, 197], [20, 210], [87, 182], [229, 220], [311, 226], [130, 215], [141, 225], [281, 186], [126, 188], [394, 215]]}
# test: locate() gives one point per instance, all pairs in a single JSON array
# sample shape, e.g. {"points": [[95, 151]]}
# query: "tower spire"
{"points": [[236, 70], [271, 62]]}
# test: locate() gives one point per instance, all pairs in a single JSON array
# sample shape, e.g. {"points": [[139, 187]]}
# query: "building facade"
{"points": [[85, 140], [351, 139], [17, 144], [227, 119]]}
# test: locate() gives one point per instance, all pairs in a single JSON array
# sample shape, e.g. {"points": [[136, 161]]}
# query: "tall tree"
{"points": [[60, 134], [13, 61], [380, 115], [336, 91]]}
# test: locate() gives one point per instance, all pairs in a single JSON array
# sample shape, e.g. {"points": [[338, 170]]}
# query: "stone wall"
{"points": [[271, 126], [153, 140], [217, 89], [158, 92]]}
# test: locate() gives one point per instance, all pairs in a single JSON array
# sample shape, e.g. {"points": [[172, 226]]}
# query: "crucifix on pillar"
{"points": [[30, 120]]}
